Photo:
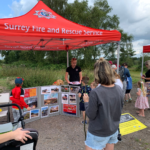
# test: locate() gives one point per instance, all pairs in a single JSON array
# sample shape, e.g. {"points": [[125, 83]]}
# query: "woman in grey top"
{"points": [[103, 108]]}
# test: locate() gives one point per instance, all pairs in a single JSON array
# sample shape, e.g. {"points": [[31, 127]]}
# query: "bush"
{"points": [[33, 77], [40, 65]]}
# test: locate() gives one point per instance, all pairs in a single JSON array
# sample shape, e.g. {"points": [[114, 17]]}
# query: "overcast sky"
{"points": [[134, 16]]}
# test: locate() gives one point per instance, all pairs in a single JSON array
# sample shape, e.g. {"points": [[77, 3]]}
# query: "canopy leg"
{"points": [[118, 56], [67, 58], [142, 63]]}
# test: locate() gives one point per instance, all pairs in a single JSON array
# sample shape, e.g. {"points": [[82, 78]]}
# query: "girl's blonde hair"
{"points": [[141, 85], [117, 76], [103, 72]]}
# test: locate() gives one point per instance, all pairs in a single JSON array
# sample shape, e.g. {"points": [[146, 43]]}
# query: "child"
{"points": [[141, 102], [128, 90], [84, 89], [93, 85], [17, 97]]}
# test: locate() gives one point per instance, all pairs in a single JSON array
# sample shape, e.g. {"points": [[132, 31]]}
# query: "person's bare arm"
{"points": [[79, 95], [66, 77], [17, 135], [80, 75], [145, 78], [139, 93]]}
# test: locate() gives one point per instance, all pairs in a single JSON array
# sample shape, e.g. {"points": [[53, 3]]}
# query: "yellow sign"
{"points": [[32, 92], [129, 124]]}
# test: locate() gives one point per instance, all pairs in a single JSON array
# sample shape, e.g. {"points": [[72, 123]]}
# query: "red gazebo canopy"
{"points": [[146, 49], [43, 29]]}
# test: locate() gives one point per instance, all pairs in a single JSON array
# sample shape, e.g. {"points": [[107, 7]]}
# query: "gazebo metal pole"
{"points": [[118, 56], [142, 63], [67, 58]]}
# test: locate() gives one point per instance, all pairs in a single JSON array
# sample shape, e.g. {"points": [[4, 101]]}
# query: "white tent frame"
{"points": [[142, 64]]}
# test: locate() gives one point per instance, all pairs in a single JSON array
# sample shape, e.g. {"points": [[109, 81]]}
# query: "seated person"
{"points": [[17, 135]]}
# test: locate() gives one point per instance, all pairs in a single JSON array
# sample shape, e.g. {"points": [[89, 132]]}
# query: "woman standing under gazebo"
{"points": [[74, 72]]}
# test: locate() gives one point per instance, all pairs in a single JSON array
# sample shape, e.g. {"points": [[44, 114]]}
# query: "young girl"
{"points": [[141, 102]]}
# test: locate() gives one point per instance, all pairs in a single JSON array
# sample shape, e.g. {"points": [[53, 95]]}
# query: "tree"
{"points": [[126, 48], [95, 17]]}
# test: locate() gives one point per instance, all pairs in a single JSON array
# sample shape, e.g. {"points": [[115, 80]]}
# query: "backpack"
{"points": [[121, 73], [129, 83]]}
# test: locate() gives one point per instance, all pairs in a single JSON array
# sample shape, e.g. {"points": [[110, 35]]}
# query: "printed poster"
{"points": [[44, 111], [46, 90], [74, 89], [30, 92], [31, 102], [64, 88], [55, 89], [50, 98], [69, 109], [35, 113], [54, 109], [27, 115], [64, 98], [129, 124], [72, 98]]}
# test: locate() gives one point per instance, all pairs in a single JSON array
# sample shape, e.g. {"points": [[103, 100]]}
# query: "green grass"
{"points": [[3, 82], [33, 77], [135, 76], [39, 77]]}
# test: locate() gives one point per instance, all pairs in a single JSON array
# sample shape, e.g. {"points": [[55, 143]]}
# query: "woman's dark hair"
{"points": [[125, 64]]}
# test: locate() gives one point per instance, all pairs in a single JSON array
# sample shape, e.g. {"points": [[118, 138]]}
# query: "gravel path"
{"points": [[67, 133]]}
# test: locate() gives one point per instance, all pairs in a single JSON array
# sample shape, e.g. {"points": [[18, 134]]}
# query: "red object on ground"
{"points": [[43, 29], [146, 49]]}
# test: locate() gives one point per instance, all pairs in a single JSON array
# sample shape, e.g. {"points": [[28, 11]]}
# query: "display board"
{"points": [[32, 99], [52, 100], [129, 124], [70, 101]]}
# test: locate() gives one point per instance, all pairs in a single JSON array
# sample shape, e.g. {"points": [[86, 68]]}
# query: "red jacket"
{"points": [[17, 97]]}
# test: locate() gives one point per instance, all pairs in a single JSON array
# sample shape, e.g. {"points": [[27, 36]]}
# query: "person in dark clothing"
{"points": [[125, 75], [84, 89], [129, 86], [146, 77], [103, 108], [74, 72]]}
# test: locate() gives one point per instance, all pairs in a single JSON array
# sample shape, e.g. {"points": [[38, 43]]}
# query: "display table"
{"points": [[47, 101]]}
